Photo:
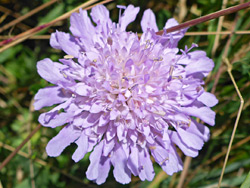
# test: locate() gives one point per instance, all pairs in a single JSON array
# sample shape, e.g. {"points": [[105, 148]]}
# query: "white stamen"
{"points": [[161, 113], [171, 70], [127, 94], [158, 59], [150, 101], [149, 89], [164, 161], [68, 57], [64, 75]]}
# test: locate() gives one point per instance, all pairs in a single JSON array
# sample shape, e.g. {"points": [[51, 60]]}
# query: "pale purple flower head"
{"points": [[124, 97]]}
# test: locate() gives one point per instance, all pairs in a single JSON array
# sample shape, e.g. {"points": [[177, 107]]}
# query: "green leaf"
{"points": [[10, 53], [54, 13], [24, 184], [246, 183]]}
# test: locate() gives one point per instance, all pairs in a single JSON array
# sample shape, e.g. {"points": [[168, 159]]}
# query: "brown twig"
{"points": [[173, 180], [44, 26], [158, 179], [217, 77], [31, 166], [23, 36], [35, 37], [184, 172], [217, 37], [215, 33], [7, 160], [244, 27], [225, 53], [215, 158], [41, 162], [9, 12], [41, 37], [206, 18], [21, 18], [229, 70]]}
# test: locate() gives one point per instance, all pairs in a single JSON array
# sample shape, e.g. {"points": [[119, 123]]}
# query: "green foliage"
{"points": [[246, 183], [52, 14]]}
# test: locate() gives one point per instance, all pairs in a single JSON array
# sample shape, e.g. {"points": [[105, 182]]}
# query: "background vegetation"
{"points": [[19, 82]]}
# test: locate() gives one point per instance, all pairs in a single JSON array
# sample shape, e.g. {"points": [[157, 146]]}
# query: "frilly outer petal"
{"points": [[204, 113], [148, 21], [63, 139], [121, 171], [81, 26], [128, 16], [208, 99], [68, 43], [100, 14], [82, 148], [48, 97]]}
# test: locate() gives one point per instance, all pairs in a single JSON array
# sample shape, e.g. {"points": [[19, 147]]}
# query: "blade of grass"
{"points": [[215, 33], [206, 18], [7, 160], [229, 70], [246, 183], [31, 165], [225, 54], [35, 37], [184, 172], [217, 37], [158, 179], [23, 36], [41, 162], [15, 15], [215, 158], [38, 37], [21, 18], [37, 29]]}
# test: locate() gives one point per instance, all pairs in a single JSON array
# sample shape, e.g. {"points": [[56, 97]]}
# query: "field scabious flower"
{"points": [[125, 97]]}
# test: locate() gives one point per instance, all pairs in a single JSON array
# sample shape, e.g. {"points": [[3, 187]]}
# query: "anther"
{"points": [[133, 87], [189, 122], [68, 57], [110, 41], [158, 59], [161, 113], [64, 75], [171, 70], [125, 78], [164, 161], [152, 147]]}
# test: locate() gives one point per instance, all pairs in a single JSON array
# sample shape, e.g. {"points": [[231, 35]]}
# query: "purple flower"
{"points": [[125, 97]]}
